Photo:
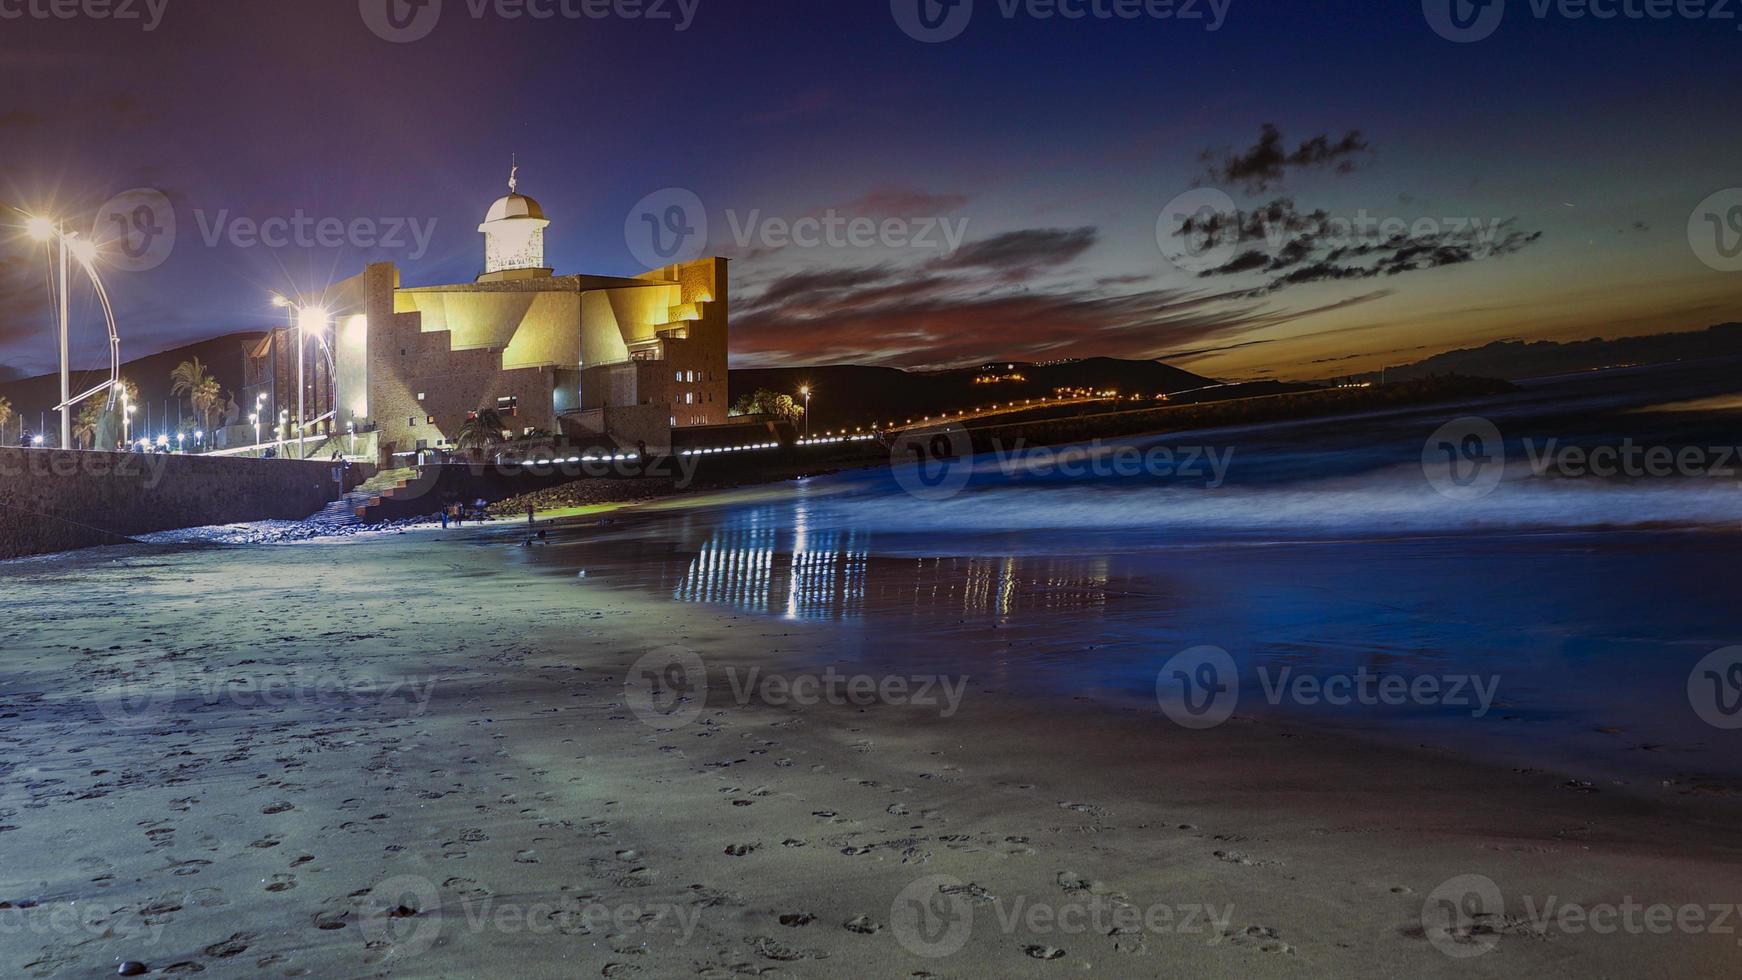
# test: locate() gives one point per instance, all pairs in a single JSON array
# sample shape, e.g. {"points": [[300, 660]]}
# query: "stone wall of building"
{"points": [[52, 500]]}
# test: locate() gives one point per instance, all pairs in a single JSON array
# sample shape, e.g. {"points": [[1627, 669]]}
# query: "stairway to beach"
{"points": [[349, 510]]}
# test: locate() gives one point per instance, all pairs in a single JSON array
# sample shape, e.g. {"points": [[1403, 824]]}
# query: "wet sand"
{"points": [[424, 755]]}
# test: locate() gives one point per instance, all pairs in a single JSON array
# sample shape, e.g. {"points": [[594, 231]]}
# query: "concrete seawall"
{"points": [[54, 500]]}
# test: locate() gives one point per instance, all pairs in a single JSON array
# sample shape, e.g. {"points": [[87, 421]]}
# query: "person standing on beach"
{"points": [[529, 515]]}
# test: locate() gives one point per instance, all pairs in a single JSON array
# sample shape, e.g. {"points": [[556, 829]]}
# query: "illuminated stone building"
{"points": [[592, 358]]}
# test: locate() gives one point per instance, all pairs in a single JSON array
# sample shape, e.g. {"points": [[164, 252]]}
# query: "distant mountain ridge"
{"points": [[1512, 360], [851, 395]]}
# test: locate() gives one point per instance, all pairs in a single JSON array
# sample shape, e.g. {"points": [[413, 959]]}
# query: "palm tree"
{"points": [[6, 414], [191, 378], [481, 431], [85, 426]]}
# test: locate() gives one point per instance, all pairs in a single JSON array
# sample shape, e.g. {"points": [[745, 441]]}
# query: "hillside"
{"points": [[847, 395], [1516, 359], [223, 356]]}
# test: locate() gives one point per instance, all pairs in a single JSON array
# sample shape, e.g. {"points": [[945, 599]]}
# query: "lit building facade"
{"points": [[590, 358]]}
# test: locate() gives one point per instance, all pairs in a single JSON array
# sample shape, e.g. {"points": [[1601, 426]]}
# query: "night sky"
{"points": [[1580, 148]]}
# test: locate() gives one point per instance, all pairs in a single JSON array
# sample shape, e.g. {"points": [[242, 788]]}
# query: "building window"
{"points": [[689, 398], [680, 376], [420, 396], [430, 420], [412, 422], [508, 405]]}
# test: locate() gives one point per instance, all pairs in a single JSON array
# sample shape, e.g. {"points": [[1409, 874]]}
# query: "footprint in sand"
{"points": [[740, 850], [796, 919], [862, 924], [1043, 952], [235, 945], [280, 882], [1263, 938], [1084, 808]]}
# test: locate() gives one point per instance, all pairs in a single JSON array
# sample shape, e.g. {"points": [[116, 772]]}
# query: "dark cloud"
{"points": [[812, 284], [1019, 252], [1295, 247], [1269, 161], [905, 317]]}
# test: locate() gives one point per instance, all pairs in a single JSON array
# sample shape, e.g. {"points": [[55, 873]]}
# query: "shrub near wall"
{"points": [[54, 500]]}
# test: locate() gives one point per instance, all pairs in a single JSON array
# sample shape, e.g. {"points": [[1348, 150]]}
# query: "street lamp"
{"points": [[44, 230], [199, 440], [806, 392], [255, 421], [307, 319]]}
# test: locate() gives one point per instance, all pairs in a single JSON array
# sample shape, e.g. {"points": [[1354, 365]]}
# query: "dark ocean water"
{"points": [[1581, 603]]}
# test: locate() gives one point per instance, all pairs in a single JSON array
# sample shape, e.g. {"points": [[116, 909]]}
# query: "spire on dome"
{"points": [[514, 173]]}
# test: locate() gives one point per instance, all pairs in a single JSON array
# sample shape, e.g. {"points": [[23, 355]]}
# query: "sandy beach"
{"points": [[422, 755]]}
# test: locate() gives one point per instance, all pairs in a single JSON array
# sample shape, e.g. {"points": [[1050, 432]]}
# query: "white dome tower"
{"points": [[514, 236]]}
